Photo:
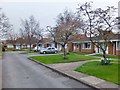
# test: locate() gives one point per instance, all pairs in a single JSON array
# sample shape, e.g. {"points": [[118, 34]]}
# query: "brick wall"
{"points": [[118, 52], [70, 47], [110, 48]]}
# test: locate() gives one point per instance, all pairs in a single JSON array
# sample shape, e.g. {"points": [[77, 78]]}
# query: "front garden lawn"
{"points": [[108, 56], [81, 53], [52, 59], [106, 72], [113, 57]]}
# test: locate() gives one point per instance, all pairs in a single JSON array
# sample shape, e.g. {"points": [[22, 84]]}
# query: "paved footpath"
{"points": [[68, 68]]}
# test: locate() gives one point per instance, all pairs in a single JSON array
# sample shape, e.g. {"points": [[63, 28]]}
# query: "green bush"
{"points": [[105, 61]]}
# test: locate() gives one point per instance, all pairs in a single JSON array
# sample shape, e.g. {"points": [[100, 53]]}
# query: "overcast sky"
{"points": [[45, 11]]}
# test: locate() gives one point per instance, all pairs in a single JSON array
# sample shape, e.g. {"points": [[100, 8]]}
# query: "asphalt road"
{"points": [[19, 72]]}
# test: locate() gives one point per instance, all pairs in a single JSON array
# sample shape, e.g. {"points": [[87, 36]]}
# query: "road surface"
{"points": [[19, 72]]}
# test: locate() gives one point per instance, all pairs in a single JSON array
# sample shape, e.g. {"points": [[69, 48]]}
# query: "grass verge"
{"points": [[106, 72], [52, 59]]}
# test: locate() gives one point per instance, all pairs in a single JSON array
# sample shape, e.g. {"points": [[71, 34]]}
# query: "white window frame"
{"points": [[83, 45], [118, 44]]}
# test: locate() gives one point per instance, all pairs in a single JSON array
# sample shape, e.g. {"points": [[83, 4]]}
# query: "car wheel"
{"points": [[44, 52], [56, 52]]}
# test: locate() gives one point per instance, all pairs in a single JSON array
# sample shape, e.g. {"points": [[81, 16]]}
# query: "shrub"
{"points": [[105, 61]]}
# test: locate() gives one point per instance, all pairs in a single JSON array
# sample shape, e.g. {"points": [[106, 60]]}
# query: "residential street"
{"points": [[19, 72]]}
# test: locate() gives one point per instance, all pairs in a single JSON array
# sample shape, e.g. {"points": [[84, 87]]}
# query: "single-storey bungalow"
{"points": [[85, 45]]}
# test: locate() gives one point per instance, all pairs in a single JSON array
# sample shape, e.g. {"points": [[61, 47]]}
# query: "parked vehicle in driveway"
{"points": [[49, 50]]}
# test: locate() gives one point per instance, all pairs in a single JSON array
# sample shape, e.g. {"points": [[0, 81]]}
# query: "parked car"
{"points": [[49, 50], [35, 49]]}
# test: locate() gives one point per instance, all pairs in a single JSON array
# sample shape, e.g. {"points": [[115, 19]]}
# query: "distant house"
{"points": [[18, 43], [47, 42], [85, 45]]}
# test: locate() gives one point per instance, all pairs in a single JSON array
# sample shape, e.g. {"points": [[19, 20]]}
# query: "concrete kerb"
{"points": [[65, 74]]}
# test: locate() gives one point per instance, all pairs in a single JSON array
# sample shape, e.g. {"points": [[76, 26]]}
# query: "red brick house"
{"points": [[85, 45]]}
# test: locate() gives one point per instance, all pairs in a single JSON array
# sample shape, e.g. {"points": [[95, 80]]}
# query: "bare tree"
{"points": [[39, 37], [11, 38], [5, 26], [20, 41], [99, 25], [65, 30], [29, 28]]}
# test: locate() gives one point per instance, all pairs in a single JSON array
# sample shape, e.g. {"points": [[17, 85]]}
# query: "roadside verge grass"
{"points": [[52, 59], [106, 72]]}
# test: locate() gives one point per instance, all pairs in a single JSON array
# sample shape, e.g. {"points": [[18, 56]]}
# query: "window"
{"points": [[49, 48], [118, 45], [53, 48], [86, 45]]}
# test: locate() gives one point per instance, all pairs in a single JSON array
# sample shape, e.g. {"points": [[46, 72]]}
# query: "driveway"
{"points": [[19, 72]]}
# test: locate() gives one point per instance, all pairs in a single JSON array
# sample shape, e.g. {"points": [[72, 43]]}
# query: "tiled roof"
{"points": [[112, 37]]}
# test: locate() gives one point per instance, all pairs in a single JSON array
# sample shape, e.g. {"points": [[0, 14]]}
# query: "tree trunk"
{"points": [[14, 47], [104, 54], [20, 47], [26, 46], [37, 46], [65, 55], [30, 48]]}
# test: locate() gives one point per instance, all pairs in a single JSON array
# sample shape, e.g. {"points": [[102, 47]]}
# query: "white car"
{"points": [[49, 50]]}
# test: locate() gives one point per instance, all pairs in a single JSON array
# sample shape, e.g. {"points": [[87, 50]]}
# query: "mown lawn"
{"points": [[108, 56], [81, 53], [52, 59], [106, 72], [113, 58]]}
